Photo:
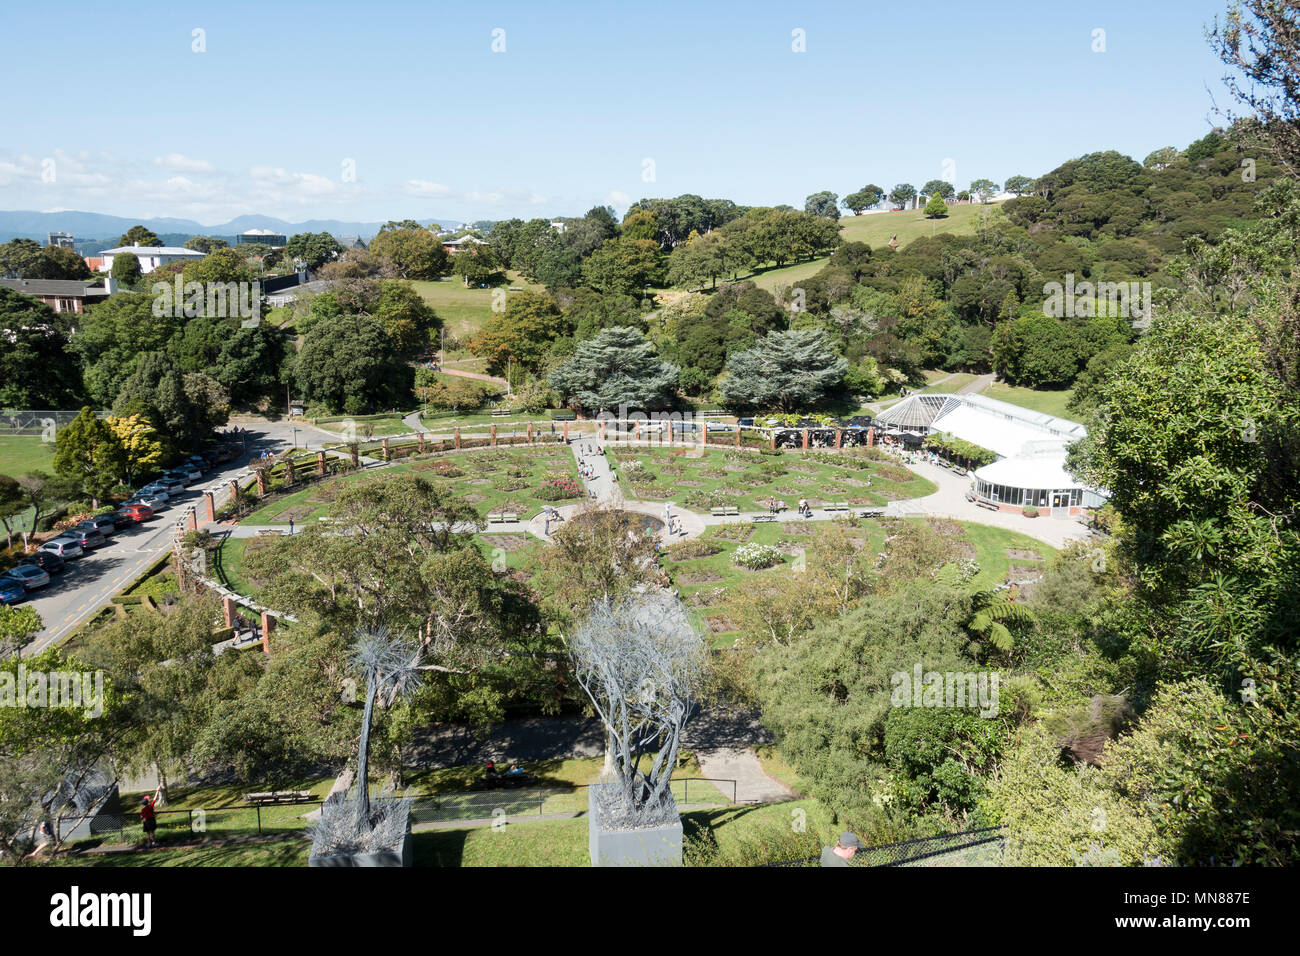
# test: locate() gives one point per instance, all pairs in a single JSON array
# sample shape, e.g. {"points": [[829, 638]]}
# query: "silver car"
{"points": [[29, 575], [66, 548]]}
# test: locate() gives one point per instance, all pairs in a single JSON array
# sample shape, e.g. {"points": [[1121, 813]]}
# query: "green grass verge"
{"points": [[20, 454], [1048, 401]]}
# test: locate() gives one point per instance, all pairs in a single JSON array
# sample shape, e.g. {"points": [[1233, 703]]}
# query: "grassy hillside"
{"points": [[464, 310], [875, 228], [1048, 401], [20, 454]]}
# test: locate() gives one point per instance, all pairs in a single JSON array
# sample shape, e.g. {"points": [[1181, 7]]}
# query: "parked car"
{"points": [[47, 561], [135, 513], [11, 590], [156, 502], [29, 576], [156, 490], [199, 463], [88, 538], [101, 523], [64, 547], [121, 521]]}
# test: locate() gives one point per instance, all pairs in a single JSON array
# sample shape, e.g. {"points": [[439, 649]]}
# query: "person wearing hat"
{"points": [[842, 852]]}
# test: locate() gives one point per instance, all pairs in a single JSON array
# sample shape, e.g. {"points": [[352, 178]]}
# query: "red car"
{"points": [[136, 513]]}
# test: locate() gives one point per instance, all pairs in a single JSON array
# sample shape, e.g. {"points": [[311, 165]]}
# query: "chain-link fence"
{"points": [[468, 806], [982, 847], [37, 423]]}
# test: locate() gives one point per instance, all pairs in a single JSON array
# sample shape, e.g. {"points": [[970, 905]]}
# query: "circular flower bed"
{"points": [[755, 557]]}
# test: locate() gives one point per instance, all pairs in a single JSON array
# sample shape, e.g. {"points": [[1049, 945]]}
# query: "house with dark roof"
{"points": [[62, 295]]}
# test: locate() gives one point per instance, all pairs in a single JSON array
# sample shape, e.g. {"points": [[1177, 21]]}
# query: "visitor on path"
{"points": [[668, 512], [148, 820], [803, 507], [291, 526], [842, 852], [547, 526]]}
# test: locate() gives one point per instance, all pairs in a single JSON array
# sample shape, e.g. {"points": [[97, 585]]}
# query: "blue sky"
{"points": [[118, 110]]}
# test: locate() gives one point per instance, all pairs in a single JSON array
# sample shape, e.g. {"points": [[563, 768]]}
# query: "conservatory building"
{"points": [[1030, 470]]}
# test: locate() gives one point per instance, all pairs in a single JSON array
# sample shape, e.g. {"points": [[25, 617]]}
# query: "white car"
{"points": [[155, 501], [156, 490]]}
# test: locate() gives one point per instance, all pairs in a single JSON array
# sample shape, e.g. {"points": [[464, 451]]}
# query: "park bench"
{"points": [[989, 505], [873, 513], [836, 506], [961, 471], [768, 517], [723, 511], [502, 412], [266, 532], [278, 796], [503, 517]]}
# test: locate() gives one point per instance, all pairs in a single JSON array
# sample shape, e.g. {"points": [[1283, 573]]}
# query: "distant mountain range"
{"points": [[96, 227]]}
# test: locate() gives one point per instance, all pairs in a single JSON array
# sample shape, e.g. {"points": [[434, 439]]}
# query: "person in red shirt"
{"points": [[148, 820]]}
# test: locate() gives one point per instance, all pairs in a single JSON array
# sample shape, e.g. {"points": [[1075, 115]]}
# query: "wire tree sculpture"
{"points": [[391, 666], [639, 661]]}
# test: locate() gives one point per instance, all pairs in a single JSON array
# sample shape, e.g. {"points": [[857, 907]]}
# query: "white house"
{"points": [[151, 257]]}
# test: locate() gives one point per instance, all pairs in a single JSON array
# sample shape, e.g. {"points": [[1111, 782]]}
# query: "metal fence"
{"points": [[27, 421], [467, 806], [926, 851]]}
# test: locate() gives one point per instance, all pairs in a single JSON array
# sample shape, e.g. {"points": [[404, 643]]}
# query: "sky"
{"points": [[471, 110]]}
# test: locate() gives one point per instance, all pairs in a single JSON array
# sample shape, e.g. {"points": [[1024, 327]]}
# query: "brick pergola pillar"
{"points": [[384, 443], [457, 437], [228, 611], [234, 489], [871, 437], [494, 436], [805, 439], [566, 432], [209, 508], [419, 440], [320, 463], [839, 438], [636, 432], [530, 433], [602, 429], [737, 434], [268, 625], [771, 440], [191, 519], [261, 482], [289, 477]]}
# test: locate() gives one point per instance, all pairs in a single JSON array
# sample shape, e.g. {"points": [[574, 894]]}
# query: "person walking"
{"points": [[290, 527]]}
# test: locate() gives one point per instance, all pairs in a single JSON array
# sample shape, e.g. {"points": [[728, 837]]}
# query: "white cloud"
{"points": [[422, 187], [183, 164]]}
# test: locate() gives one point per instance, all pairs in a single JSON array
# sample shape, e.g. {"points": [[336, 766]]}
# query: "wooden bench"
{"points": [[836, 506], [873, 513], [989, 505], [765, 518], [278, 796], [502, 412], [504, 517], [724, 511], [266, 532]]}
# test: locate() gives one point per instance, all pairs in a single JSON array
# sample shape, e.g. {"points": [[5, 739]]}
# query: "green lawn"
{"points": [[770, 279], [875, 228], [747, 479], [20, 454], [389, 425], [463, 310], [1048, 401], [493, 479]]}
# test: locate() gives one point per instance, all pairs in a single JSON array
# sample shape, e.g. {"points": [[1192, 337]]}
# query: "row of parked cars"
{"points": [[36, 570]]}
